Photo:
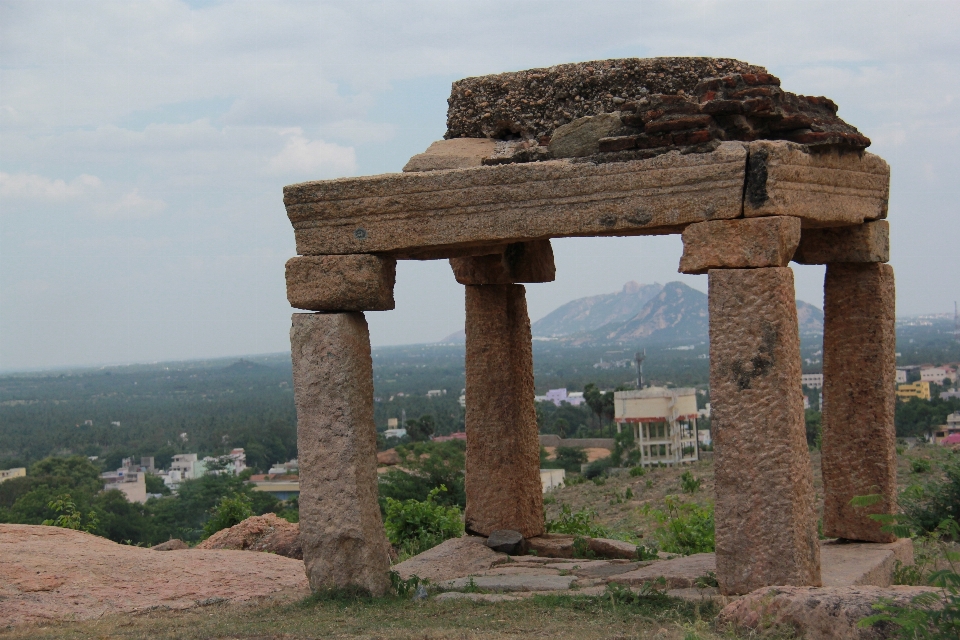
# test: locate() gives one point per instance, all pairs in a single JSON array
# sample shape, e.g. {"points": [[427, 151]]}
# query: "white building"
{"points": [[394, 433], [558, 396], [233, 463], [132, 484], [937, 374], [187, 466], [664, 423], [901, 376], [812, 380]]}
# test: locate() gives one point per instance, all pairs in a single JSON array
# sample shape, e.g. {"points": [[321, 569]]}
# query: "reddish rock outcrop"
{"points": [[49, 573], [267, 533]]}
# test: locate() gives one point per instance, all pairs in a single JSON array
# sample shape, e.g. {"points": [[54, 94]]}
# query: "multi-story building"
{"points": [[16, 472], [937, 374], [812, 380], [901, 376], [914, 390], [664, 423]]}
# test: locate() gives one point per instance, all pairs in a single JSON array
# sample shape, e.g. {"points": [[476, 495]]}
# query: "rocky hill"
{"points": [[593, 312]]}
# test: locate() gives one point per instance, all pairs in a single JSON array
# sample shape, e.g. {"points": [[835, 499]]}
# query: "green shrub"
{"points": [[919, 465], [689, 484], [577, 524], [414, 526], [925, 506], [636, 472], [684, 528], [230, 511], [599, 468], [427, 465], [571, 458], [69, 517]]}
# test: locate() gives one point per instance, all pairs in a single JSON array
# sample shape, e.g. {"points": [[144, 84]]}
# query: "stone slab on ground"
{"points": [[175, 544], [474, 597], [49, 573], [403, 213], [511, 583], [862, 563], [452, 558], [679, 573], [816, 613], [267, 533], [551, 545]]}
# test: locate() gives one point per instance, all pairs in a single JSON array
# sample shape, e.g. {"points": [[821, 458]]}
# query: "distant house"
{"points": [[456, 435], [280, 486], [559, 396], [901, 376], [949, 430], [664, 423], [914, 390], [937, 374], [16, 472], [436, 393], [813, 380], [132, 484], [394, 433]]}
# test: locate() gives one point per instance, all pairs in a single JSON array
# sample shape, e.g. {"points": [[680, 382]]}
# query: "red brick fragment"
{"points": [[678, 124], [721, 107], [759, 107], [645, 141], [619, 143], [760, 78], [692, 137], [756, 92]]}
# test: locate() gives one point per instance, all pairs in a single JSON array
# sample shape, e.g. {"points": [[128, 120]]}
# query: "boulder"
{"points": [[506, 541], [259, 533], [451, 558], [171, 545], [816, 613], [388, 458]]}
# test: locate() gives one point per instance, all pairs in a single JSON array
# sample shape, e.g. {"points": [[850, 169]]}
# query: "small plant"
{"points": [[599, 481], [577, 524], [689, 484], [549, 500], [69, 517], [628, 494], [621, 595], [405, 588], [574, 480], [900, 449], [581, 548], [706, 581], [638, 471], [649, 484], [647, 552], [919, 465], [230, 511], [684, 528], [415, 526]]}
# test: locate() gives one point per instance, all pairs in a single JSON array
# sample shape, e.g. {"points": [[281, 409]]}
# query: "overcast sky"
{"points": [[144, 146]]}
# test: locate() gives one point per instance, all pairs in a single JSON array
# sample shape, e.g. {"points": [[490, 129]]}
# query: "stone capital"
{"points": [[341, 283], [868, 242], [519, 262], [744, 243]]}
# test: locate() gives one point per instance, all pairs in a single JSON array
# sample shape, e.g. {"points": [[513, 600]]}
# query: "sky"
{"points": [[144, 147]]}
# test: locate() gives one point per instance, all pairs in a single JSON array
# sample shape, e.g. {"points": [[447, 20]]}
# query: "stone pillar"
{"points": [[859, 379], [766, 529], [342, 534], [503, 451]]}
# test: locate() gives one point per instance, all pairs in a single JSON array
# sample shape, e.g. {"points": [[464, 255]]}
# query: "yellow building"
{"points": [[914, 390], [664, 423], [6, 474]]}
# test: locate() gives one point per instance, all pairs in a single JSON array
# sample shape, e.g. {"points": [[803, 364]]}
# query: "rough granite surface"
{"points": [[766, 525], [267, 533], [453, 558], [739, 244], [503, 451], [868, 242], [341, 283], [519, 262], [341, 531], [817, 613], [859, 379]]}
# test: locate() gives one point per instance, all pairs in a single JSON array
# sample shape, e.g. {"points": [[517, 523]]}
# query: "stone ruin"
{"points": [[751, 176]]}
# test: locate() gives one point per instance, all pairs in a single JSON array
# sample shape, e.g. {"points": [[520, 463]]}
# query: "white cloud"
{"points": [[130, 206], [315, 157], [30, 186]]}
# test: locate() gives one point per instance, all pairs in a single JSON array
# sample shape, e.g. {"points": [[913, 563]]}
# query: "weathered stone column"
{"points": [[766, 530], [344, 543], [859, 376], [503, 451]]}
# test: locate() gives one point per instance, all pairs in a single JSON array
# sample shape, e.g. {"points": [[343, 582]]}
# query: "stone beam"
{"points": [[344, 544], [519, 262], [825, 188], [859, 378], [739, 244], [341, 283], [766, 525], [503, 451], [868, 242], [398, 213]]}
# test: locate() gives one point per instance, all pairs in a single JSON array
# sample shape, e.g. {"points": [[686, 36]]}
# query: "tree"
{"points": [[421, 430]]}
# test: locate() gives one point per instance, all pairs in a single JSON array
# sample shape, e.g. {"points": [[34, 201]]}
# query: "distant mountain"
{"points": [[457, 337], [650, 314], [588, 314]]}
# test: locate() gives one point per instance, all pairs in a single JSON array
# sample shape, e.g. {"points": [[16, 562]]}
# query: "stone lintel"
{"points": [[341, 532], [739, 244], [766, 524], [406, 212], [859, 378], [519, 262], [341, 283], [825, 188], [502, 479], [868, 242]]}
